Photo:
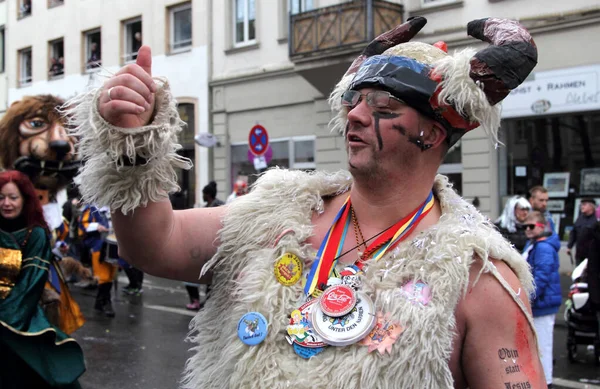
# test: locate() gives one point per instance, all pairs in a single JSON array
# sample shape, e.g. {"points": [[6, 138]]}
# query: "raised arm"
{"points": [[128, 131]]}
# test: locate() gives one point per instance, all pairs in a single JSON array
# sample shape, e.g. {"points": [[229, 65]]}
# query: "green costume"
{"points": [[33, 353]]}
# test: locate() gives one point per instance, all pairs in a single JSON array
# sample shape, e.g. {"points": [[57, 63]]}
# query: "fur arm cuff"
{"points": [[110, 175]]}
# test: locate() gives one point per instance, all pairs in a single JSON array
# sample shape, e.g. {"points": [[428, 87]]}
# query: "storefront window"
{"points": [[289, 153], [452, 167], [536, 147]]}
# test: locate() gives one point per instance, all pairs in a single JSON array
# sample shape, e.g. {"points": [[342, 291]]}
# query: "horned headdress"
{"points": [[459, 91]]}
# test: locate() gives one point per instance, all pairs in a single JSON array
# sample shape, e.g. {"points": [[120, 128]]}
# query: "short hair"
{"points": [[537, 215], [210, 189], [536, 189]]}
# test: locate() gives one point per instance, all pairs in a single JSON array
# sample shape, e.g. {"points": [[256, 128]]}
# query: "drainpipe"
{"points": [[370, 21]]}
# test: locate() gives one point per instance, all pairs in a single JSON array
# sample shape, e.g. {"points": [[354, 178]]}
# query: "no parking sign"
{"points": [[258, 140]]}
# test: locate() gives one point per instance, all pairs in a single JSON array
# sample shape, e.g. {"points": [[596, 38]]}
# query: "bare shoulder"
{"points": [[498, 347]]}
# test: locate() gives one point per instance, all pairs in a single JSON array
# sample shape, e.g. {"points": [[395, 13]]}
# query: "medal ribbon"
{"points": [[323, 264], [328, 254]]}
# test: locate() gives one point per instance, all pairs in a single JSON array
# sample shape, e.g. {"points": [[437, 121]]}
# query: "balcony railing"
{"points": [[339, 28]]}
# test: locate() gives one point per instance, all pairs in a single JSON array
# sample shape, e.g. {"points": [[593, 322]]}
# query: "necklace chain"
{"points": [[358, 231]]}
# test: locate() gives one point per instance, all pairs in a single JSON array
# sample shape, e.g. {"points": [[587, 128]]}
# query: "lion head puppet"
{"points": [[33, 140]]}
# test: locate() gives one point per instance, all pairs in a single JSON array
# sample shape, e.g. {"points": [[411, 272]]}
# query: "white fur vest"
{"points": [[244, 281]]}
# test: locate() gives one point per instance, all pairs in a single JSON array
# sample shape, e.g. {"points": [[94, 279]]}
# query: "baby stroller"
{"points": [[581, 319]]}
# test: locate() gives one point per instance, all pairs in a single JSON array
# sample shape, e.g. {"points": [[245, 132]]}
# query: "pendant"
{"points": [[337, 300], [300, 332], [383, 336], [348, 329]]}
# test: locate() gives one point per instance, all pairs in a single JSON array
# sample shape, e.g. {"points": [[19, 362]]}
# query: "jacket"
{"points": [[582, 235], [543, 259], [517, 238]]}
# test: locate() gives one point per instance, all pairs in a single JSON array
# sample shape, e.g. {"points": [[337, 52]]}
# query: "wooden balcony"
{"points": [[340, 29]]}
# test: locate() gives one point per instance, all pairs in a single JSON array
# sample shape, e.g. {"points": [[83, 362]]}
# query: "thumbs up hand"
{"points": [[127, 98]]}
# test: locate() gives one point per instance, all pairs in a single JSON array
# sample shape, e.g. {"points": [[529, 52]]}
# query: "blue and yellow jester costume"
{"points": [[90, 220]]}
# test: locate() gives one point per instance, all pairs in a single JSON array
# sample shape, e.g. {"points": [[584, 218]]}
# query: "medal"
{"points": [[288, 269], [337, 300], [252, 328], [300, 333], [383, 336], [300, 329], [348, 329]]}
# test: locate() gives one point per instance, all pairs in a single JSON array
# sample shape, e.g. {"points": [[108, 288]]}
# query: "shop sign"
{"points": [[555, 91]]}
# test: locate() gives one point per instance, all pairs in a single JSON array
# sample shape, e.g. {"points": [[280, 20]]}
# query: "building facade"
{"points": [[275, 62], [64, 47]]}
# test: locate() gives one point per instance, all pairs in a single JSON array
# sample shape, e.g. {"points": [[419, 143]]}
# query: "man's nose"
{"points": [[360, 114]]}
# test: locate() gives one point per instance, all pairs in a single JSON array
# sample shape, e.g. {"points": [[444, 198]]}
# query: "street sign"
{"points": [[258, 140], [262, 161]]}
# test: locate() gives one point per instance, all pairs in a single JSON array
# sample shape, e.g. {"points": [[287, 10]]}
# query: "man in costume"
{"points": [[34, 140], [92, 224], [432, 270]]}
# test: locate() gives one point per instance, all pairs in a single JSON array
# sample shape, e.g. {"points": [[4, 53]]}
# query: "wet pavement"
{"points": [[143, 346]]}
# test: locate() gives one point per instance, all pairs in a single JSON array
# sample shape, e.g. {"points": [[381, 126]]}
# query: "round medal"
{"points": [[337, 300], [288, 269], [252, 328], [348, 329], [300, 328]]}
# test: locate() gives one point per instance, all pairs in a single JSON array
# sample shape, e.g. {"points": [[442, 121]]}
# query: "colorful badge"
{"points": [[306, 352], [252, 328], [416, 292], [337, 300], [383, 336], [300, 328], [288, 269], [348, 329]]}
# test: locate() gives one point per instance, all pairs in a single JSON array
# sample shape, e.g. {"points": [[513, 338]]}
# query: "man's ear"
{"points": [[436, 136]]}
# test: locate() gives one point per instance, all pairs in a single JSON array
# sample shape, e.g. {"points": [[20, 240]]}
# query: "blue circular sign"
{"points": [[252, 328]]}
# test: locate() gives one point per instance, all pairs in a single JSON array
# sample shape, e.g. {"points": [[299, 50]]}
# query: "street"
{"points": [[143, 346]]}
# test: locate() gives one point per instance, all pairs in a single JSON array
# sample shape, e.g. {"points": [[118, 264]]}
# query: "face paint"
{"points": [[376, 117]]}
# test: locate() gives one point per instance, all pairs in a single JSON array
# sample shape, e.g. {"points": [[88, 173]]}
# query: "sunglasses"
{"points": [[532, 226], [375, 99]]}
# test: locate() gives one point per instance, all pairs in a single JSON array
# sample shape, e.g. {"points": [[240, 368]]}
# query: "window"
{"points": [[181, 27], [93, 50], [293, 153], [132, 33], [25, 67], [298, 6], [56, 59], [433, 3], [452, 166], [244, 22], [55, 3], [2, 52], [24, 8], [186, 197]]}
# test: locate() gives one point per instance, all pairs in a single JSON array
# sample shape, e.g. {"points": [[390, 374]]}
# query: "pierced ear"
{"points": [[436, 136]]}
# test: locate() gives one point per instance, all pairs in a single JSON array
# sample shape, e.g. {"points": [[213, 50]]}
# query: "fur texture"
{"points": [[457, 88], [29, 107], [107, 178], [460, 91], [244, 282]]}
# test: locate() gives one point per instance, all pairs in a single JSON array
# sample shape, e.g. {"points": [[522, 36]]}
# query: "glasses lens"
{"points": [[530, 226], [378, 99], [350, 98]]}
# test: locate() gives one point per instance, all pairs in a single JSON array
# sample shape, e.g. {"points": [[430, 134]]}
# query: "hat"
{"points": [[459, 91], [588, 200]]}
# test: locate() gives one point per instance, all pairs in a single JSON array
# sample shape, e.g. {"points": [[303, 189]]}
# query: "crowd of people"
{"points": [[527, 224]]}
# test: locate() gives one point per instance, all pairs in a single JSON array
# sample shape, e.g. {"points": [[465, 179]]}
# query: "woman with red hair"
{"points": [[33, 353]]}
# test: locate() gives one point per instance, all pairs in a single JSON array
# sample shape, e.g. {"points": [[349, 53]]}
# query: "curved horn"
{"points": [[505, 64], [399, 34]]}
